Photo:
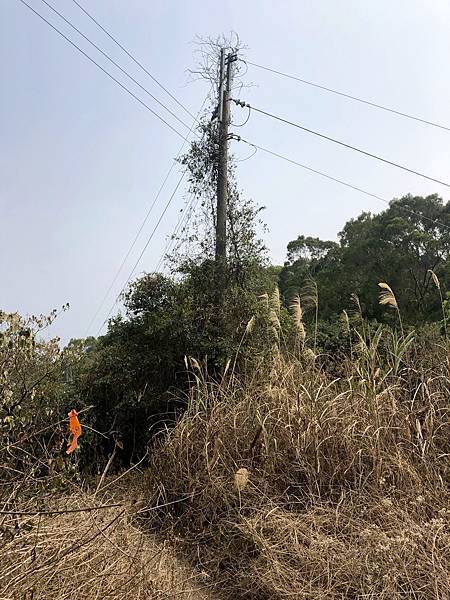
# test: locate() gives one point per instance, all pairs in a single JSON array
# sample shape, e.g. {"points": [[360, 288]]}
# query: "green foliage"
{"points": [[399, 246], [132, 372], [33, 392]]}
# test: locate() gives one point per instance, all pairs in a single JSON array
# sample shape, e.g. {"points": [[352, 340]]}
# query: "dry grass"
{"points": [[347, 491], [89, 555], [288, 483]]}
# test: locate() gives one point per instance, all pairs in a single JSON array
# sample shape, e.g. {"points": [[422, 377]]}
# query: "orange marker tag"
{"points": [[75, 430]]}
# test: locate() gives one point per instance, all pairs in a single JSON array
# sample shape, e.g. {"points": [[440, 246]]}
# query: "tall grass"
{"points": [[346, 479], [287, 478]]}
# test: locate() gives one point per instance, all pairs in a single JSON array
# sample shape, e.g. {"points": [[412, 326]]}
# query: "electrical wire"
{"points": [[133, 58], [187, 210], [246, 120], [255, 150], [196, 120], [61, 16], [340, 181], [349, 96], [119, 270], [102, 69], [255, 146], [335, 141], [168, 203]]}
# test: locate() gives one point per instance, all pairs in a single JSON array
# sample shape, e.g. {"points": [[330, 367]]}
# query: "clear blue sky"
{"points": [[80, 161]]}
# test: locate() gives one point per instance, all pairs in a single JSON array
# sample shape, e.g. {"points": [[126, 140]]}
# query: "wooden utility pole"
{"points": [[223, 115], [222, 174]]}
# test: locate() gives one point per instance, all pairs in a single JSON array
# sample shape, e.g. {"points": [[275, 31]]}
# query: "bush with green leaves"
{"points": [[135, 375], [34, 395]]}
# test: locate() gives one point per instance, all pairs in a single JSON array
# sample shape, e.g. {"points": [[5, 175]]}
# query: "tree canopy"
{"points": [[400, 246]]}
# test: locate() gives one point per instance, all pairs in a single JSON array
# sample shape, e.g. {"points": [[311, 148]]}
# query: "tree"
{"points": [[308, 258], [399, 245], [34, 398]]}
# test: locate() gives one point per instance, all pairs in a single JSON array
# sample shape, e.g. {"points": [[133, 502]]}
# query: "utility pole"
{"points": [[222, 174], [223, 116]]}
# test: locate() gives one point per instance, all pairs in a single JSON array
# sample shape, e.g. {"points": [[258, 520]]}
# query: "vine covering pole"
{"points": [[225, 76]]}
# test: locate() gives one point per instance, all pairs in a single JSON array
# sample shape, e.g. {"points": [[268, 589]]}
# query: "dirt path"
{"points": [[91, 556]]}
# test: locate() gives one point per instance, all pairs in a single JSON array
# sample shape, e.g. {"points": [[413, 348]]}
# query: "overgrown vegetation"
{"points": [[300, 484], [290, 440], [400, 245], [280, 479]]}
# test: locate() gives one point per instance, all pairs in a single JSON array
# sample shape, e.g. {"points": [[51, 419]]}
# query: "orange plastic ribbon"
{"points": [[75, 430]]}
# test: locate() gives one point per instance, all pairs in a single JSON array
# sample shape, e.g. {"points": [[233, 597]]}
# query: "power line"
{"points": [[181, 220], [188, 209], [350, 97], [119, 270], [335, 141], [102, 69], [170, 239], [143, 250], [336, 180], [133, 58], [148, 108], [113, 62]]}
